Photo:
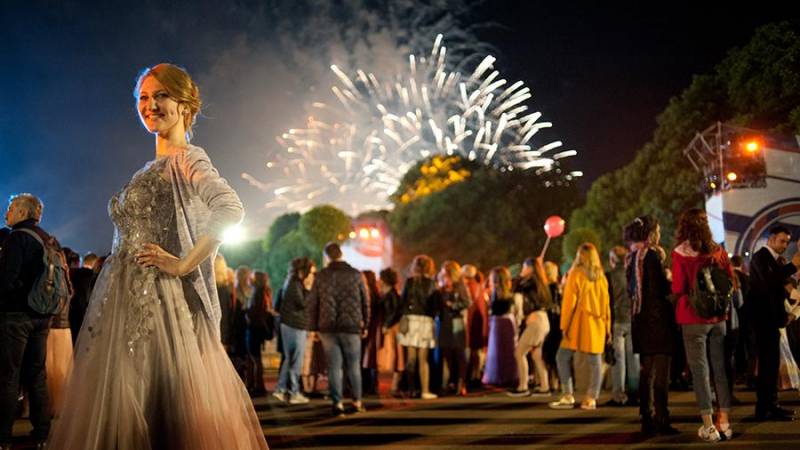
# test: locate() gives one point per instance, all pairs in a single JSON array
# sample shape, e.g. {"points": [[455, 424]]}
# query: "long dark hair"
{"points": [[372, 285], [262, 291], [693, 227], [540, 277], [640, 229], [299, 268]]}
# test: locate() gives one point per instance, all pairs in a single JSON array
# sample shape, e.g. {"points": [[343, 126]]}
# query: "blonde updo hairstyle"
{"points": [[180, 87]]}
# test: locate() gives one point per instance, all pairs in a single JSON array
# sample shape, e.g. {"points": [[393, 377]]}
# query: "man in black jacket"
{"points": [[3, 235], [23, 332], [765, 305], [81, 279], [744, 357], [626, 367], [339, 310]]}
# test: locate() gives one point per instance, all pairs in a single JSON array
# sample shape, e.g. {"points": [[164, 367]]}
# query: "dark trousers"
{"points": [[731, 359], [23, 347], [679, 370], [654, 388], [768, 343]]}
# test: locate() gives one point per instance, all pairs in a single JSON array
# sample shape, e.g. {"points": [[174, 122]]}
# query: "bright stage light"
{"points": [[352, 235], [732, 176], [375, 233], [233, 235], [363, 233], [752, 146]]}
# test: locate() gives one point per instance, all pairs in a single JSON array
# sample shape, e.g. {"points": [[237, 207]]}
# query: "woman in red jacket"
{"points": [[702, 337]]}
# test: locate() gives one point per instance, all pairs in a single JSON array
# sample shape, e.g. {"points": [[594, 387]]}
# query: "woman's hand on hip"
{"points": [[155, 256]]}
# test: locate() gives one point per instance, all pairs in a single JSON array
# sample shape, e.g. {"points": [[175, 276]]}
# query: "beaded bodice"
{"points": [[143, 212]]}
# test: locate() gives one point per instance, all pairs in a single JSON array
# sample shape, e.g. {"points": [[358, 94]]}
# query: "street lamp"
{"points": [[233, 235]]}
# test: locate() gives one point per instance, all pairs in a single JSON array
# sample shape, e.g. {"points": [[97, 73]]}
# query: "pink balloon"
{"points": [[554, 226]]}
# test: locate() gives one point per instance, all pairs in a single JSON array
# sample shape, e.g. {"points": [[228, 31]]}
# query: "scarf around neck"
{"points": [[638, 252]]}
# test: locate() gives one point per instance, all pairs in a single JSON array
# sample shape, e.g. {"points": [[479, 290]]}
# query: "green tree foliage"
{"points": [[292, 236], [282, 226], [757, 86], [577, 237], [248, 253], [323, 224], [291, 245], [489, 218]]}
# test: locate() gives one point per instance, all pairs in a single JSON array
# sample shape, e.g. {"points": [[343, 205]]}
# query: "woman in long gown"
{"points": [[505, 310], [150, 371]]}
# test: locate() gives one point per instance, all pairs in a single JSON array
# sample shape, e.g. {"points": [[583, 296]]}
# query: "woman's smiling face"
{"points": [[159, 112]]}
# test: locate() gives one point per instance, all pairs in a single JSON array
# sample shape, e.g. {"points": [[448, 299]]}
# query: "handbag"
{"points": [[404, 324], [608, 354]]}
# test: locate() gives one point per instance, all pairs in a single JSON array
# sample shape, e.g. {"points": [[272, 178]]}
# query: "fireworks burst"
{"points": [[353, 154]]}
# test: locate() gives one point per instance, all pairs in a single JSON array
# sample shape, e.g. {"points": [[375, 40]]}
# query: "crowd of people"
{"points": [[452, 330]]}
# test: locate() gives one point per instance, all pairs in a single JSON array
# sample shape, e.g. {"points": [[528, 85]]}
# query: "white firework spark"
{"points": [[353, 154]]}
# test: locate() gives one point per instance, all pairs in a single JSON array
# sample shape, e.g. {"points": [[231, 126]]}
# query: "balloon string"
{"points": [[546, 244]]}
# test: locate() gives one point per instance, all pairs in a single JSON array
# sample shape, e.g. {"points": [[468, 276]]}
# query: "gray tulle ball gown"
{"points": [[150, 371]]}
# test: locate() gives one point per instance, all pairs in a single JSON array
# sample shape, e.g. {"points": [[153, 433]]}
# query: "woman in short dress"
{"points": [[416, 333]]}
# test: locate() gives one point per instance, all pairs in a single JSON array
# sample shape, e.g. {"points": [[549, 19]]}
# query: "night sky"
{"points": [[69, 132]]}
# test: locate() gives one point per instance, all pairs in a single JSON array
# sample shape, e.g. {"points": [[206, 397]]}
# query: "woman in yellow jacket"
{"points": [[585, 324]]}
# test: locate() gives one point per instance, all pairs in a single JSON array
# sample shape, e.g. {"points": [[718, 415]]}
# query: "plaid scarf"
{"points": [[638, 252]]}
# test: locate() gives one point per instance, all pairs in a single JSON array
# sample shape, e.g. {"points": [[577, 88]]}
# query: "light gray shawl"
{"points": [[204, 205]]}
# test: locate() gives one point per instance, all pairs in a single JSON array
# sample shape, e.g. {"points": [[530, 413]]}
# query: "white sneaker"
{"points": [[428, 396], [298, 399], [279, 395], [727, 433], [565, 402], [708, 434]]}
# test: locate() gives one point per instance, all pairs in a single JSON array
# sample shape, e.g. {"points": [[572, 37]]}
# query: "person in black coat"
{"points": [[81, 279], [653, 324], [746, 355], [393, 306], [260, 329], [292, 301], [3, 234], [23, 342], [765, 309], [339, 309]]}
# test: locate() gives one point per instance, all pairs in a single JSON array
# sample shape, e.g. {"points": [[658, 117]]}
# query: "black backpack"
{"points": [[712, 292]]}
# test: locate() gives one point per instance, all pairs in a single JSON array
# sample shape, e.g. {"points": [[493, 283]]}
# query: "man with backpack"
{"points": [[764, 304], [25, 318]]}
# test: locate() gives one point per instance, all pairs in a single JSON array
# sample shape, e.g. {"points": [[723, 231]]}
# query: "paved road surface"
{"points": [[492, 420]]}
